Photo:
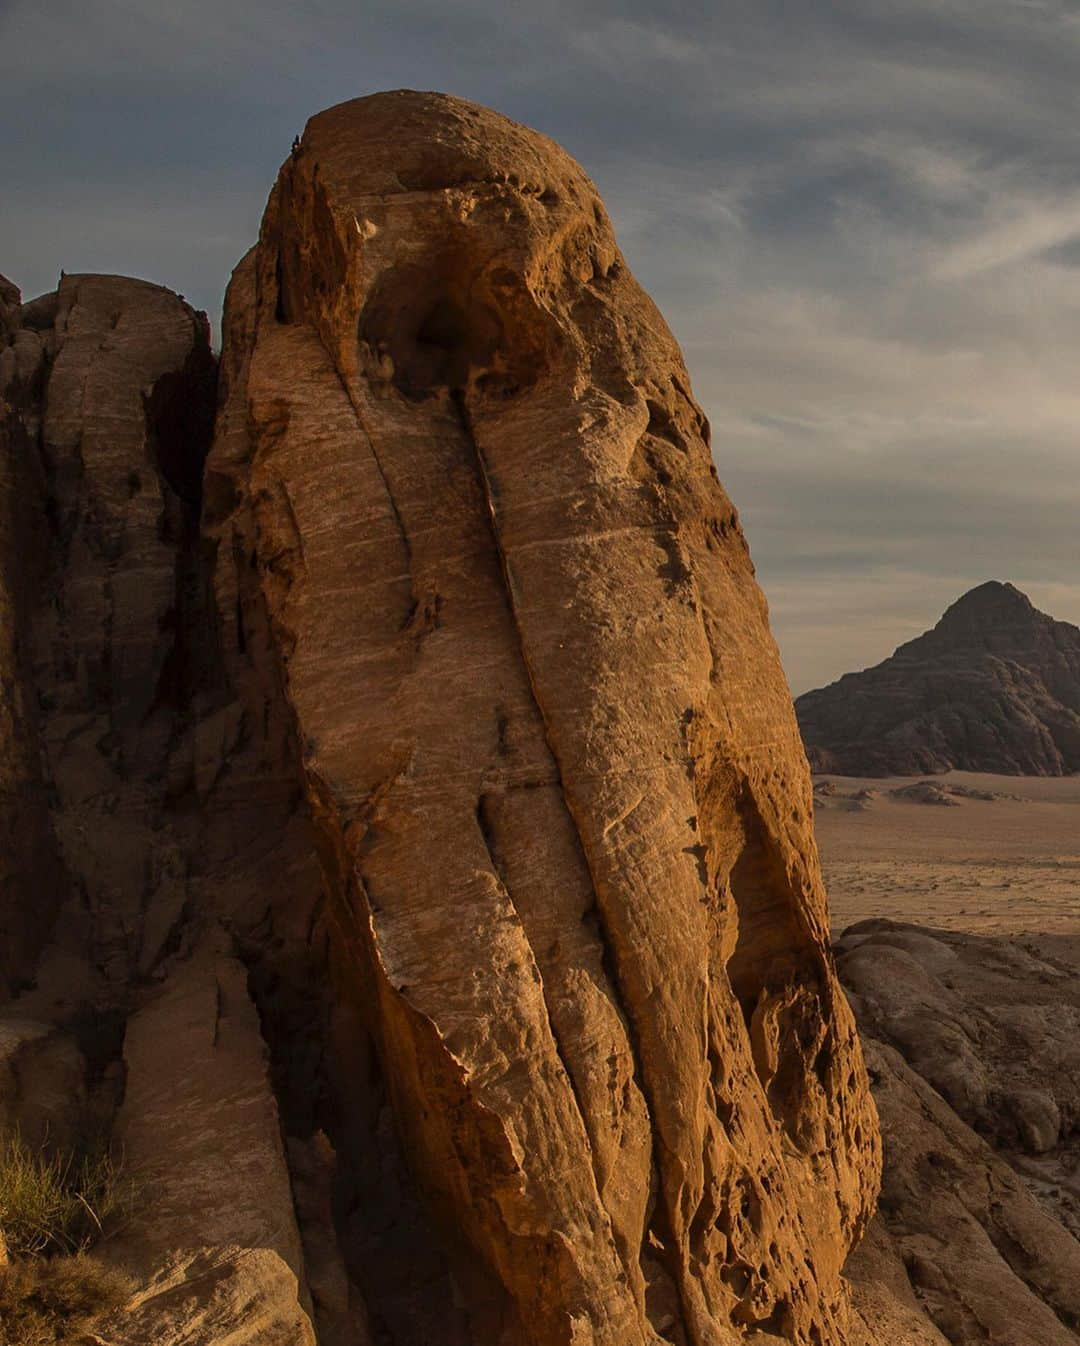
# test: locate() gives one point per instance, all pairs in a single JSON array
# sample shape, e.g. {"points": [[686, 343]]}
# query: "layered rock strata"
{"points": [[461, 489], [995, 686], [437, 719]]}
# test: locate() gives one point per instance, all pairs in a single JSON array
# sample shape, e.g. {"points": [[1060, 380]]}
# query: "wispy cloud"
{"points": [[862, 221], [1029, 228]]}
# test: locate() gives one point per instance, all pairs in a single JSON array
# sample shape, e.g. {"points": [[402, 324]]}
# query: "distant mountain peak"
{"points": [[993, 601], [994, 686]]}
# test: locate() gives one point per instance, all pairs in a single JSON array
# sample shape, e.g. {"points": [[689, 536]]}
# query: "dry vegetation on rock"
{"points": [[51, 1300], [55, 1205]]}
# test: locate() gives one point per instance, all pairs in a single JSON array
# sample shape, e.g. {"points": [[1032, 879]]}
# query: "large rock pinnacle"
{"points": [[465, 511]]}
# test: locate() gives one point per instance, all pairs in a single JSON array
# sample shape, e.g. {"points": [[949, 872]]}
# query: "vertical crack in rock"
{"points": [[458, 401], [369, 440], [609, 952]]}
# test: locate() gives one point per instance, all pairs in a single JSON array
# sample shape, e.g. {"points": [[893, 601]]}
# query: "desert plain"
{"points": [[1007, 865]]}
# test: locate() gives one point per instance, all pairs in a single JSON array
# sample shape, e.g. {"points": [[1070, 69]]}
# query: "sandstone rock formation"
{"points": [[545, 739], [443, 703], [109, 715], [995, 686], [974, 1054]]}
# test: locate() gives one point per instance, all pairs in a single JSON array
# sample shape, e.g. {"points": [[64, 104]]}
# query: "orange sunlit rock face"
{"points": [[461, 490]]}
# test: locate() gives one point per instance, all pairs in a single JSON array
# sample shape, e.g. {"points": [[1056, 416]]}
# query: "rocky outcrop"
{"points": [[972, 1049], [114, 887], [461, 490], [220, 1218], [424, 794], [995, 686]]}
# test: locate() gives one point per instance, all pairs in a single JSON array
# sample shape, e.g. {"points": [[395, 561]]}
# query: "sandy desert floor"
{"points": [[1004, 866]]}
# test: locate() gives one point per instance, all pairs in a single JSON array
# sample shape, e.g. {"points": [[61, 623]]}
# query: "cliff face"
{"points": [[467, 499], [995, 686], [421, 785]]}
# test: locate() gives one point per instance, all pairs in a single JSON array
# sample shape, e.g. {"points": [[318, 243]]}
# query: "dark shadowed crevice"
{"points": [[777, 975], [179, 413], [180, 422]]}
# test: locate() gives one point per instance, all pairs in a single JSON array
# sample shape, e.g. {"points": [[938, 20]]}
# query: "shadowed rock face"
{"points": [[28, 858], [92, 514], [995, 686], [463, 500], [122, 1009]]}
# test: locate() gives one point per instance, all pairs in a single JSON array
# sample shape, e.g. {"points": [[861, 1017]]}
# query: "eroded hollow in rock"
{"points": [[448, 327], [180, 422]]}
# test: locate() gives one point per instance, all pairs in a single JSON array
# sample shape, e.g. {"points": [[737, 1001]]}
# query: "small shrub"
{"points": [[55, 1299], [53, 1201]]}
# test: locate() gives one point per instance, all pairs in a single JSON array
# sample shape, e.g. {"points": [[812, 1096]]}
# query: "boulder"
{"points": [[43, 1094], [985, 1259], [972, 1046]]}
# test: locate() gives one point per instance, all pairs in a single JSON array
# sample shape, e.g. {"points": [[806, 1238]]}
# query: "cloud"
{"points": [[1030, 227], [862, 221]]}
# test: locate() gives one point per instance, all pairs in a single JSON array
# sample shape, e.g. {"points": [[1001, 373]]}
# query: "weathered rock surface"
{"points": [[995, 686], [973, 1049], [112, 709], [213, 1235], [546, 741], [423, 798]]}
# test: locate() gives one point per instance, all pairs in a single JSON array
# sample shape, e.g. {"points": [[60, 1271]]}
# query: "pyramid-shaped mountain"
{"points": [[995, 686]]}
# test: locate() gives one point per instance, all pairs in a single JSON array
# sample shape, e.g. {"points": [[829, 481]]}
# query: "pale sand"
{"points": [[1003, 867]]}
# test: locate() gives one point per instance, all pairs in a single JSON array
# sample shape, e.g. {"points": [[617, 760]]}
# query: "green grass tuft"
{"points": [[53, 1201]]}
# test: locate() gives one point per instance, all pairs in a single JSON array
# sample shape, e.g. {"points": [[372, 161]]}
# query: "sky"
{"points": [[861, 221]]}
